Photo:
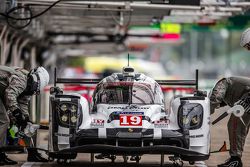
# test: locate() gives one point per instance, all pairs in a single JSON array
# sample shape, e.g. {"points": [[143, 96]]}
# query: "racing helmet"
{"points": [[245, 37], [38, 78]]}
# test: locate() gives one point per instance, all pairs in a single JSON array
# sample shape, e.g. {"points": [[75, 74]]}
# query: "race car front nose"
{"points": [[119, 137]]}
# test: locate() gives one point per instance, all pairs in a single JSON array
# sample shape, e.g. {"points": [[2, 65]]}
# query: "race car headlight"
{"points": [[64, 107], [190, 115], [73, 119], [185, 120], [73, 109], [195, 120], [64, 118], [68, 113]]}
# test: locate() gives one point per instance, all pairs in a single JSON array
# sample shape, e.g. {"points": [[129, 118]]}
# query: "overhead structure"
{"points": [[84, 22], [81, 16]]}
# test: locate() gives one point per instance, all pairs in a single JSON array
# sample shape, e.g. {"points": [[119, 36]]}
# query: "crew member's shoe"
{"points": [[4, 160], [34, 156], [232, 162]]}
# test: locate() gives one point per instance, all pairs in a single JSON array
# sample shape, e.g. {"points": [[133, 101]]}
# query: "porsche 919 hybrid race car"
{"points": [[127, 116]]}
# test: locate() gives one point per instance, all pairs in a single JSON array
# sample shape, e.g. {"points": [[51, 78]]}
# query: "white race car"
{"points": [[127, 116]]}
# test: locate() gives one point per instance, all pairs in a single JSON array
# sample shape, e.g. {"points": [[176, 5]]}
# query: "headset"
{"points": [[33, 83]]}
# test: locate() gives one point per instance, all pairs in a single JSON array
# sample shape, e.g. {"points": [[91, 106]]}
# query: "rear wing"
{"points": [[96, 81]]}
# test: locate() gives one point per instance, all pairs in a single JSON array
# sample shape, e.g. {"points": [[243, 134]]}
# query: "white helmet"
{"points": [[245, 37], [39, 78], [43, 77]]}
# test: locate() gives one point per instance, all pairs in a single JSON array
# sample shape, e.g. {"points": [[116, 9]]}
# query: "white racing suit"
{"points": [[13, 82], [230, 91]]}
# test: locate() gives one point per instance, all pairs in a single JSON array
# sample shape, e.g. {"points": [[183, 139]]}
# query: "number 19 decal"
{"points": [[130, 120]]}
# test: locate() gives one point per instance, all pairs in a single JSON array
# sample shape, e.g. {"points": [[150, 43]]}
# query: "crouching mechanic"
{"points": [[231, 91], [16, 88]]}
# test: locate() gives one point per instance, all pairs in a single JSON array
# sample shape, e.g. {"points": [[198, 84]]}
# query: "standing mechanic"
{"points": [[231, 91], [16, 88]]}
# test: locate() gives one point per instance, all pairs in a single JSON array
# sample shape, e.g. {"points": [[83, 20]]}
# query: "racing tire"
{"points": [[137, 160], [112, 157], [125, 159], [63, 161], [178, 164], [191, 162], [51, 159], [59, 161]]}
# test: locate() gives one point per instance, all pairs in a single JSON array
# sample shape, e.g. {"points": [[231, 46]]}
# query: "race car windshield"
{"points": [[126, 93]]}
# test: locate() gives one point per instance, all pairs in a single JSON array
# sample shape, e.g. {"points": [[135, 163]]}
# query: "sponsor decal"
{"points": [[161, 123], [196, 136], [97, 123], [130, 120], [129, 107], [128, 113]]}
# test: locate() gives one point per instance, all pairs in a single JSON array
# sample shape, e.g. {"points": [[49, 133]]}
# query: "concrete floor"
{"points": [[218, 134]]}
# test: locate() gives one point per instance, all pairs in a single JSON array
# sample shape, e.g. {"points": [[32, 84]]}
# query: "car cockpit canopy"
{"points": [[127, 93]]}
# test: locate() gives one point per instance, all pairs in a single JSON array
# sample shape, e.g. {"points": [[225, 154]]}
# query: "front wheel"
{"points": [[51, 159], [63, 161], [191, 162]]}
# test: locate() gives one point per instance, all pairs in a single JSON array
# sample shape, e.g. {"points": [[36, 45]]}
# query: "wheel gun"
{"points": [[237, 110]]}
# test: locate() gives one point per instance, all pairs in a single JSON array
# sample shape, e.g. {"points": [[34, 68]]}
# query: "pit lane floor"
{"points": [[218, 135]]}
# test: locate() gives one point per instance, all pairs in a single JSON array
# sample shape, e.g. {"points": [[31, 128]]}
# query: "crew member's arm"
{"points": [[23, 103], [218, 94], [17, 85]]}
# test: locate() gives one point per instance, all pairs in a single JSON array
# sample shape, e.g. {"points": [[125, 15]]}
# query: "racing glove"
{"points": [[21, 119]]}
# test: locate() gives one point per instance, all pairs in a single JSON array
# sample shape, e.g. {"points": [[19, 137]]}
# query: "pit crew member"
{"points": [[231, 91], [17, 85]]}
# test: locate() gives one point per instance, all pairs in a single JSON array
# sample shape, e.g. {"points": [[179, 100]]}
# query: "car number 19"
{"points": [[130, 120]]}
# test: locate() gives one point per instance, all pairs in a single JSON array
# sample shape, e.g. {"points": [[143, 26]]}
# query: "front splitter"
{"points": [[185, 154]]}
